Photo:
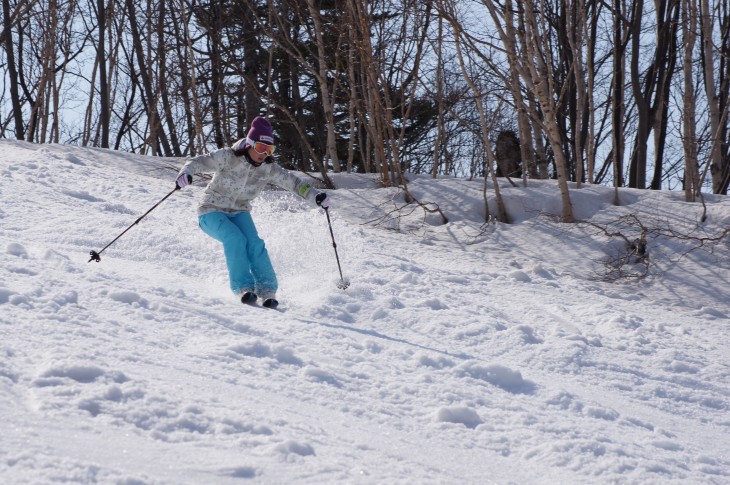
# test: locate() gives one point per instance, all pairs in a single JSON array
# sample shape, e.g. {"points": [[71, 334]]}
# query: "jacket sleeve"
{"points": [[287, 180], [210, 162]]}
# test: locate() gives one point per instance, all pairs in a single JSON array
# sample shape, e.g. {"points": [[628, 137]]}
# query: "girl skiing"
{"points": [[224, 211]]}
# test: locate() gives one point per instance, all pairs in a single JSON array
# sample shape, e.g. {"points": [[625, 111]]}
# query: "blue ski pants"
{"points": [[249, 266]]}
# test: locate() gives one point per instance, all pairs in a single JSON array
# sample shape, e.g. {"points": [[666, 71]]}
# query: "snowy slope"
{"points": [[461, 353]]}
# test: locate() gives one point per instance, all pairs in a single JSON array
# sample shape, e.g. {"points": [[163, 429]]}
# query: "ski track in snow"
{"points": [[459, 354]]}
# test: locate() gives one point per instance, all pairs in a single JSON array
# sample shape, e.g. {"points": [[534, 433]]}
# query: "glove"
{"points": [[183, 180], [322, 200]]}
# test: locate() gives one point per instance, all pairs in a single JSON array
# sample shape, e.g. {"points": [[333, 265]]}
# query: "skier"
{"points": [[224, 212]]}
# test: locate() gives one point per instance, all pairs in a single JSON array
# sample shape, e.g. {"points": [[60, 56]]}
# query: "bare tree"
{"points": [[156, 135], [46, 57], [162, 76], [617, 96], [439, 97], [590, 26], [324, 83], [537, 66], [719, 165], [375, 82], [10, 17], [485, 125], [101, 56], [575, 35], [652, 92], [372, 108], [507, 28], [188, 77], [691, 169]]}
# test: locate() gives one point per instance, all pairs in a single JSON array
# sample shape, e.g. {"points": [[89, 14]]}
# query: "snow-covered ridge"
{"points": [[462, 353]]}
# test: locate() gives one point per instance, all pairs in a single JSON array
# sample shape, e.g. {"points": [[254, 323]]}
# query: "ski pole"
{"points": [[96, 256], [343, 284]]}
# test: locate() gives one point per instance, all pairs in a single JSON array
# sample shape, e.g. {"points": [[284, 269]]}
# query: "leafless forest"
{"points": [[625, 93]]}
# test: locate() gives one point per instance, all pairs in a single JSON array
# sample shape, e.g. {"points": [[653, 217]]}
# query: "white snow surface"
{"points": [[461, 353]]}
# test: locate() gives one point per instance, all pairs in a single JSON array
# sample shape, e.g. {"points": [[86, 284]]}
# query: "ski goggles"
{"points": [[264, 149]]}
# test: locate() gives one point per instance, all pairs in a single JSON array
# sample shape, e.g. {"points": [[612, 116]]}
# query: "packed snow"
{"points": [[471, 351]]}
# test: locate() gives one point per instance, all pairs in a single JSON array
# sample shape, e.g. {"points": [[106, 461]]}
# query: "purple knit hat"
{"points": [[261, 130]]}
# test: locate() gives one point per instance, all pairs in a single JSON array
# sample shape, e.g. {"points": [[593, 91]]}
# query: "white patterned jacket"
{"points": [[236, 181]]}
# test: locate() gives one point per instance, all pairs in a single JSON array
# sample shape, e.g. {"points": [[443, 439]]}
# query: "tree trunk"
{"points": [[47, 56], [617, 98], [637, 170], [590, 36], [217, 74], [155, 131], [486, 127], [89, 112], [12, 72], [103, 85], [531, 165], [323, 81], [253, 67], [352, 103], [190, 86], [689, 141], [370, 89], [576, 40], [538, 62], [660, 108], [65, 45], [162, 76], [652, 94], [439, 99], [716, 161]]}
